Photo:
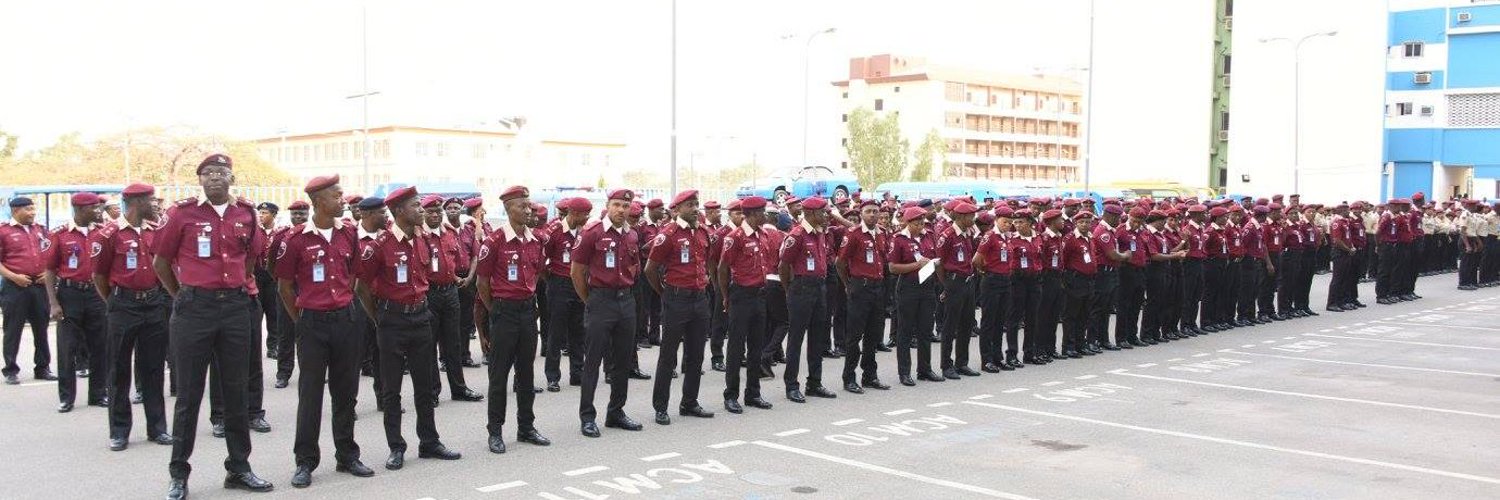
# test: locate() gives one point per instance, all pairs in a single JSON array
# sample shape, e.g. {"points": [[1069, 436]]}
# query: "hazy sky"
{"points": [[591, 70]]}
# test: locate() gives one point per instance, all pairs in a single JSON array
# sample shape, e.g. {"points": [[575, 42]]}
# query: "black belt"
{"points": [[391, 305], [1107, 268], [75, 284], [683, 292], [609, 292], [131, 293], [342, 312], [441, 288], [214, 293], [866, 281], [811, 280]]}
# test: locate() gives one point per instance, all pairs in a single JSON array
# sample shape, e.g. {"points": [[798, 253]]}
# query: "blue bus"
{"points": [[461, 190], [54, 203]]}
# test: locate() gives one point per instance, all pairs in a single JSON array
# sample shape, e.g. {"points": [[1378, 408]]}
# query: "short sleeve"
{"points": [[169, 237], [102, 250], [659, 249], [286, 262], [486, 264], [369, 264], [583, 249]]}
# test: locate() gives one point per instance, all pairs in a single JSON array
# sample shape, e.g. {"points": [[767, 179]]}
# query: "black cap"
{"points": [[268, 206], [371, 203], [20, 201]]}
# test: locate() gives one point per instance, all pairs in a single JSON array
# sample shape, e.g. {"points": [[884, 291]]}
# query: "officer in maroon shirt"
{"points": [[861, 267], [269, 307], [606, 259], [1195, 235], [1050, 299], [677, 269], [743, 262], [802, 264], [392, 285], [286, 344], [1132, 291], [77, 308], [205, 258], [372, 221], [720, 328], [121, 253], [956, 246], [23, 300], [911, 249], [468, 246], [315, 272], [1107, 282], [1080, 268], [511, 262], [565, 330], [445, 257]]}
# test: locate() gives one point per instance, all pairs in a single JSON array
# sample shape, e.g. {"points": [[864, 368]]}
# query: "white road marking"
{"points": [[1268, 342], [1372, 365], [1174, 360], [1247, 346], [726, 444], [893, 472], [1085, 377], [792, 432], [1052, 383], [1225, 350], [1145, 365], [1122, 370], [1016, 390], [34, 384], [499, 487], [902, 411], [1326, 330], [585, 470], [1201, 354], [851, 421], [982, 396], [1455, 346], [1476, 313], [1247, 444], [1289, 338], [1359, 324], [940, 405], [662, 456], [1342, 327], [1315, 396], [1480, 328]]}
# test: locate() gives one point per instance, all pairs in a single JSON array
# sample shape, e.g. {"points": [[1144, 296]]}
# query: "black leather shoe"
{"points": [[795, 396], [1112, 347], [883, 347], [951, 374], [639, 375], [1209, 328], [497, 444], [467, 394], [1243, 323], [177, 490], [355, 468], [966, 371], [907, 381], [818, 391], [1384, 301], [733, 406], [694, 411], [259, 424], [990, 368], [218, 430], [589, 429], [853, 387], [118, 444], [395, 461], [439, 452], [623, 422], [766, 373], [1072, 354], [1309, 312], [718, 365], [162, 439], [12, 379], [281, 383], [45, 375], [64, 407], [1280, 317], [553, 386], [1358, 304], [302, 477], [1337, 309], [930, 376], [531, 436], [247, 481], [875, 383], [663, 419]]}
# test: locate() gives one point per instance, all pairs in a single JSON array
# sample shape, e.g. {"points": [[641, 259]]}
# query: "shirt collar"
{"points": [[681, 223], [745, 226], [907, 231], [871, 230], [402, 236], [70, 226], [310, 228], [363, 234], [809, 228], [510, 234], [1050, 232]]}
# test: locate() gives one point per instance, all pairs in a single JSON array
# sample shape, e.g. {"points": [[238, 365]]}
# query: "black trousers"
{"points": [[1048, 313], [138, 326], [807, 319], [255, 386], [1174, 282], [466, 319], [1156, 317], [210, 325], [1270, 280], [1407, 278], [610, 324], [1489, 261], [1343, 279], [747, 326], [372, 351], [1103, 303], [23, 306], [269, 302], [1390, 270], [1215, 288], [1132, 295], [513, 340], [994, 318], [916, 313], [565, 330], [330, 345], [958, 325], [1191, 285], [1291, 275], [1304, 287], [1078, 295], [405, 339], [1025, 300], [684, 316], [286, 341], [1251, 271], [717, 323], [1468, 268], [82, 329], [866, 323], [838, 301], [778, 321], [648, 313], [442, 302]]}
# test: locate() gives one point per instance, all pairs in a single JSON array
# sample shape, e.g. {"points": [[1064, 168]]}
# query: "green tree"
{"points": [[932, 152], [8, 146], [877, 153], [600, 184], [160, 156]]}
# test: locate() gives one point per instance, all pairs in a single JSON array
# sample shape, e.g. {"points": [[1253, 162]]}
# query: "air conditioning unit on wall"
{"points": [[1426, 110], [1223, 135], [1465, 17], [1422, 78]]}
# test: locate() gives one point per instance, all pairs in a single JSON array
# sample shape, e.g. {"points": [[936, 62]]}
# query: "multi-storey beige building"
{"points": [[995, 126], [490, 158]]}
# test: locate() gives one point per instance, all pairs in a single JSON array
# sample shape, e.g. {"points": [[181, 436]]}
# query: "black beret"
{"points": [[268, 206], [371, 203], [20, 201]]}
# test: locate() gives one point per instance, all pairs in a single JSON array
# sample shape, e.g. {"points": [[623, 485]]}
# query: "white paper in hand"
{"points": [[927, 270]]}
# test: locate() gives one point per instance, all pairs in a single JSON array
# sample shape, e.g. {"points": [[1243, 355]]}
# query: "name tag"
{"points": [[1087, 258], [1024, 261], [810, 263], [434, 262], [1005, 256], [205, 246], [131, 261], [1237, 242], [317, 272], [567, 257], [512, 272], [73, 261], [401, 273], [609, 259], [869, 256], [684, 256], [1054, 260], [960, 255], [1132, 245]]}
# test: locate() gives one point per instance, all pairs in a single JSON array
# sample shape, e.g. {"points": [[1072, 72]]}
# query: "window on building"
{"points": [[1226, 64], [844, 164], [1412, 49], [846, 95], [844, 142], [879, 104], [480, 152], [1228, 8], [845, 118], [1403, 108], [1223, 120], [442, 149], [420, 149], [359, 150], [383, 149], [585, 158], [898, 89]]}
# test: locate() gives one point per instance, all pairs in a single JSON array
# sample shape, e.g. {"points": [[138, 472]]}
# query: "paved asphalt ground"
{"points": [[1398, 401]]}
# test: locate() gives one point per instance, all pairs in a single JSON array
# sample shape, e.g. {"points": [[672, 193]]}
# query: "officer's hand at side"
{"points": [[22, 281], [57, 313]]}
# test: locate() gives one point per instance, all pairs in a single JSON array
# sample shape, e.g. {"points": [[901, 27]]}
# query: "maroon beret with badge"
{"points": [[514, 192], [297, 205], [965, 208], [622, 194], [320, 183], [1114, 209], [791, 200], [636, 209], [683, 197], [913, 213], [1218, 212], [711, 205], [352, 199], [1051, 214], [215, 160], [815, 203], [1138, 213], [1085, 214], [1005, 212], [85, 199], [753, 203], [1197, 209], [138, 189], [580, 204], [431, 201], [400, 195], [985, 218], [473, 203], [654, 203], [733, 205], [1071, 202]]}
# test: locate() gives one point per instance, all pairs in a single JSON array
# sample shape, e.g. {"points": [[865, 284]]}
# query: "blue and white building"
{"points": [[1442, 105]]}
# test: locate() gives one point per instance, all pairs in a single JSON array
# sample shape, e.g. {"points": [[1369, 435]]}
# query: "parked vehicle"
{"points": [[802, 182]]}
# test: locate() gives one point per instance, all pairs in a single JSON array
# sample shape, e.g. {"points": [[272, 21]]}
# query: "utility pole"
{"points": [[365, 93]]}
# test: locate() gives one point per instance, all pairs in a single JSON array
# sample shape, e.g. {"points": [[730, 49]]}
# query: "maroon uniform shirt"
{"points": [[512, 262], [907, 248], [21, 248], [1272, 235], [864, 252], [682, 251], [956, 249], [396, 265], [559, 248], [611, 254], [1026, 251], [323, 269], [998, 257], [1078, 254], [1052, 250], [209, 250], [1253, 239], [1197, 239], [747, 252], [805, 251], [69, 251], [442, 243], [1154, 242], [123, 253]]}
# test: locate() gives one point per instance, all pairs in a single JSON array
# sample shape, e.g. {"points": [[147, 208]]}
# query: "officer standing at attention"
{"points": [[444, 257], [803, 267], [1080, 266], [605, 262], [861, 267], [994, 261], [315, 270], [137, 315], [912, 249], [511, 262], [676, 269], [77, 308], [1112, 247], [204, 259], [392, 285], [741, 278], [286, 345], [23, 300], [956, 248], [265, 218], [372, 221], [565, 331]]}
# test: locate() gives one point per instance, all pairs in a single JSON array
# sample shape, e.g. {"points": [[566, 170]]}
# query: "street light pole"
{"points": [[364, 95], [806, 82], [1297, 102], [673, 162], [1088, 107]]}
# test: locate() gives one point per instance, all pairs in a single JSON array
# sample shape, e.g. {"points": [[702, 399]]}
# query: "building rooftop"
{"points": [[457, 132], [886, 68]]}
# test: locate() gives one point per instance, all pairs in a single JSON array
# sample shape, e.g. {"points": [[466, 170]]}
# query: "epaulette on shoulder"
{"points": [[244, 202], [191, 200], [592, 224]]}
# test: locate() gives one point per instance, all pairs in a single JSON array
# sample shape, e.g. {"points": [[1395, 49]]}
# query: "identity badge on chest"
{"points": [[131, 260], [609, 256], [1087, 257], [811, 264], [73, 259], [960, 254], [318, 274], [1004, 254], [1054, 260], [434, 261], [513, 271], [205, 244], [683, 256], [1132, 245], [401, 270], [869, 255], [1025, 262]]}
